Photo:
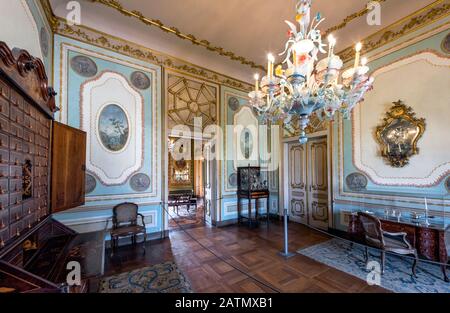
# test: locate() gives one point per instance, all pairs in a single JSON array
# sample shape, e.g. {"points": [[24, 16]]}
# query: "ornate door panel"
{"points": [[210, 186], [317, 183], [297, 183]]}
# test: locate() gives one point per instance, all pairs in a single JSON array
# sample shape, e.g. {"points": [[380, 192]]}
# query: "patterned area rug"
{"points": [[397, 277], [159, 278]]}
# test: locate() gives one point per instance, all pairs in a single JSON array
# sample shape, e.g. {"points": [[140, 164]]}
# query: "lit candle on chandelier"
{"points": [[358, 54], [364, 61], [270, 61], [256, 82]]}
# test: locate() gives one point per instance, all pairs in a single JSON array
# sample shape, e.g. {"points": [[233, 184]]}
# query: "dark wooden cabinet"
{"points": [[68, 167], [34, 248], [252, 185]]}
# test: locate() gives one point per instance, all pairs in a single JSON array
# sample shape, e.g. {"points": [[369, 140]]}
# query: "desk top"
{"points": [[435, 222]]}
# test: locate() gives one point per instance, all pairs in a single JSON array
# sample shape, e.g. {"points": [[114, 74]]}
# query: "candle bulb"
{"points": [[358, 53], [256, 82], [364, 61]]}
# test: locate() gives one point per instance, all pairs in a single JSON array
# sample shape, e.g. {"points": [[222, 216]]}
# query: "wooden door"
{"points": [[68, 167], [317, 183], [297, 183]]}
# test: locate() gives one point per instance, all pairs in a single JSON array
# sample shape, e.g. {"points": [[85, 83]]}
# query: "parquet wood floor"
{"points": [[223, 259]]}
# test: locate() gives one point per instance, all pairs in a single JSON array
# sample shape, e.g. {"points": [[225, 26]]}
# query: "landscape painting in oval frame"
{"points": [[113, 128]]}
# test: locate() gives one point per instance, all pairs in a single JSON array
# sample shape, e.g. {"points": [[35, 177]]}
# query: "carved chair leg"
{"points": [[444, 271], [366, 255], [416, 259], [113, 245], [145, 240], [383, 261]]}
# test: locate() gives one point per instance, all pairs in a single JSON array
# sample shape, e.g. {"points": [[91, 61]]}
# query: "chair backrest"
{"points": [[447, 240], [125, 214], [373, 232]]}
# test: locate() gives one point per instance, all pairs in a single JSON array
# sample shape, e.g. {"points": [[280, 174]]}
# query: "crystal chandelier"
{"points": [[307, 86]]}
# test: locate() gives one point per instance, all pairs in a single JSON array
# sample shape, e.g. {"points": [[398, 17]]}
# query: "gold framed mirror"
{"points": [[399, 133]]}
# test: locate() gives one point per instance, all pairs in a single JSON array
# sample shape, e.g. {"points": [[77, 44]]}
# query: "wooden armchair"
{"points": [[125, 224], [376, 237]]}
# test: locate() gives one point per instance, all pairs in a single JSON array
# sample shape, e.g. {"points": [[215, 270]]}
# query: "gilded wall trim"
{"points": [[421, 18], [103, 40], [350, 18]]}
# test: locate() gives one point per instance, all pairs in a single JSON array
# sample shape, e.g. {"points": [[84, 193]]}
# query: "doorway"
{"points": [[307, 182], [186, 182]]}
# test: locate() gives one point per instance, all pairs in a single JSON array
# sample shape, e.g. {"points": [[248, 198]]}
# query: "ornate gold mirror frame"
{"points": [[399, 133]]}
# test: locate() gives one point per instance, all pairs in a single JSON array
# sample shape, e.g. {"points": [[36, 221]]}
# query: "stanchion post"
{"points": [[286, 254]]}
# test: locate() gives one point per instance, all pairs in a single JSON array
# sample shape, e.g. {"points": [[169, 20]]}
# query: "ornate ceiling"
{"points": [[229, 36]]}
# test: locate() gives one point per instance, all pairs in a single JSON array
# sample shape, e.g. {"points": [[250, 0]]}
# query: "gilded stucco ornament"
{"points": [[399, 133]]}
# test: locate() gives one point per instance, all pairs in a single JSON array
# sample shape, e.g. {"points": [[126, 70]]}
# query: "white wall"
{"points": [[18, 28]]}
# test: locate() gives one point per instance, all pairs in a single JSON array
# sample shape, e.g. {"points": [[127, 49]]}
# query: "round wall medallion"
{"points": [[43, 38], [356, 181], [140, 80], [91, 183], [233, 103], [446, 44], [447, 184], [84, 66], [140, 182], [232, 180]]}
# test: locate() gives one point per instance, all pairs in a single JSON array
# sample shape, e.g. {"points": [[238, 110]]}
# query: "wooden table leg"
{"points": [[256, 212], [250, 211]]}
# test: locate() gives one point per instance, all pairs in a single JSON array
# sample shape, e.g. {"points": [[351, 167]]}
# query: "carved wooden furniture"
{"points": [[182, 198], [252, 186], [427, 240], [125, 224], [375, 236], [34, 248]]}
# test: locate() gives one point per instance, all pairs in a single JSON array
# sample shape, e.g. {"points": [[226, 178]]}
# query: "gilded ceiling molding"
{"points": [[350, 18], [425, 16], [51, 18], [114, 4], [103, 40]]}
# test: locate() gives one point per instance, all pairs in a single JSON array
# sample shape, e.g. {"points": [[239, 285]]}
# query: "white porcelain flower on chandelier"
{"points": [[306, 85]]}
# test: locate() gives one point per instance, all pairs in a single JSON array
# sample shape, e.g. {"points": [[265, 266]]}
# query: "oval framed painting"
{"points": [[113, 128], [246, 143]]}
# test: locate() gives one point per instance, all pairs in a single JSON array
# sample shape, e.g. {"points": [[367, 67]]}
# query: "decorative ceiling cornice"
{"points": [[418, 19], [51, 18], [350, 18], [114, 4], [94, 37]]}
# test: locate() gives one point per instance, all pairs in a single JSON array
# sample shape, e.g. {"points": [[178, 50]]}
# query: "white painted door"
{"points": [[308, 182], [317, 183], [210, 186], [297, 183]]}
